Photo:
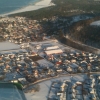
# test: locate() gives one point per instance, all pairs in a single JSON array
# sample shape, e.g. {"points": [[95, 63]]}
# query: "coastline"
{"points": [[31, 7]]}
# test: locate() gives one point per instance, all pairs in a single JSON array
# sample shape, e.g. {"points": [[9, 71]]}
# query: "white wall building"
{"points": [[57, 51]]}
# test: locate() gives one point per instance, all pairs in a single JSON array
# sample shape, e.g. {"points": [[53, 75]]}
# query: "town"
{"points": [[28, 55], [76, 90]]}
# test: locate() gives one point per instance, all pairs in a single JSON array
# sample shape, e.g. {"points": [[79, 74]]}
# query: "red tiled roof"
{"points": [[59, 63]]}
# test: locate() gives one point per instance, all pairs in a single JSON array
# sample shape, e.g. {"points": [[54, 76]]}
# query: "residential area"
{"points": [[45, 59], [33, 57], [88, 89], [20, 29]]}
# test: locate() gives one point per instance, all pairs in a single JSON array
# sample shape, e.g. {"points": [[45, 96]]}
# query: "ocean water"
{"points": [[11, 5]]}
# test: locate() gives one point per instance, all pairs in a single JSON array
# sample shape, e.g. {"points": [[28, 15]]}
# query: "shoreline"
{"points": [[37, 5]]}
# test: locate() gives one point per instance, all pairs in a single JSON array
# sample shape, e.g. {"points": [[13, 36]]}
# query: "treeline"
{"points": [[63, 8], [78, 46], [84, 32]]}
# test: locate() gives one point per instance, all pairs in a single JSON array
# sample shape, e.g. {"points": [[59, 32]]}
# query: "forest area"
{"points": [[85, 33], [63, 8]]}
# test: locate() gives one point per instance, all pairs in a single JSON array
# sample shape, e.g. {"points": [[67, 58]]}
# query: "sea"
{"points": [[7, 6]]}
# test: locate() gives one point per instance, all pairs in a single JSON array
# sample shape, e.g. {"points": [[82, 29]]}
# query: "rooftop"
{"points": [[8, 46]]}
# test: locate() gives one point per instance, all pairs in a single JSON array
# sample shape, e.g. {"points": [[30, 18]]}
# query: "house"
{"points": [[73, 60], [38, 47], [73, 90], [84, 65], [77, 54], [1, 62], [64, 87], [33, 54], [22, 80], [72, 96], [79, 97], [0, 58], [79, 83], [69, 69], [59, 70], [80, 69], [58, 63], [93, 97], [36, 74], [74, 66], [67, 61], [98, 77], [24, 45], [71, 54], [92, 90], [7, 67]]}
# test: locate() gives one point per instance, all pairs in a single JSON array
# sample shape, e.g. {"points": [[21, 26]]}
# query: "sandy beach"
{"points": [[38, 5]]}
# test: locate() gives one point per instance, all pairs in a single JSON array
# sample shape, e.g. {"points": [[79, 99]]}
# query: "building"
{"points": [[57, 51], [51, 48]]}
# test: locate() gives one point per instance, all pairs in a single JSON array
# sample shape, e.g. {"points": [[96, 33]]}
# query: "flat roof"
{"points": [[51, 47], [8, 46], [9, 91], [35, 58], [13, 51], [53, 51]]}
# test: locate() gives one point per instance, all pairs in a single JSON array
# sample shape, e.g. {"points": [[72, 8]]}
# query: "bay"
{"points": [[7, 6]]}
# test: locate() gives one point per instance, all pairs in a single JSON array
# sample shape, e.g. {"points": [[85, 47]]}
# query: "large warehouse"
{"points": [[8, 46], [9, 91], [56, 51], [51, 47]]}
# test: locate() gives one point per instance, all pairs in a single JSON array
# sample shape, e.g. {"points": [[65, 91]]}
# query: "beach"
{"points": [[38, 5]]}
